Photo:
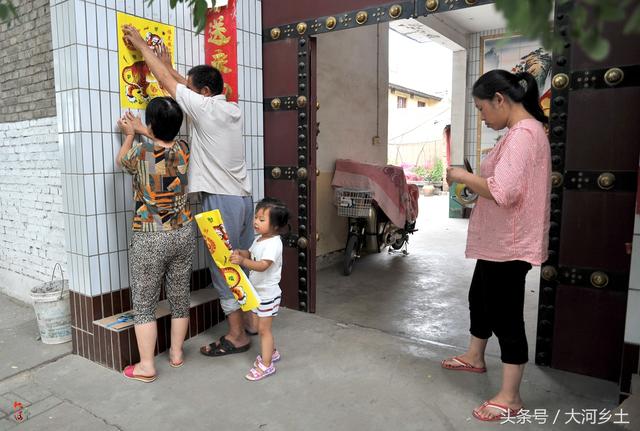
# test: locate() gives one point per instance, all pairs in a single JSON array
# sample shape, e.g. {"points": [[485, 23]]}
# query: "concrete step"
{"points": [[122, 321]]}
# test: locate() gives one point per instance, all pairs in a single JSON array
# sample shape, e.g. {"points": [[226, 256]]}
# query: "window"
{"points": [[402, 102], [421, 104]]}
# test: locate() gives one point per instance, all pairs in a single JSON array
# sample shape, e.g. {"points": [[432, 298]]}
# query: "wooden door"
{"points": [[594, 135]]}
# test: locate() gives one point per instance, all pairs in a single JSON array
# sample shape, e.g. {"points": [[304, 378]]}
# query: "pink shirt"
{"points": [[516, 225]]}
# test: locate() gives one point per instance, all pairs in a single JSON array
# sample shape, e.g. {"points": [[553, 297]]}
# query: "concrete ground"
{"points": [[332, 376], [20, 345], [373, 365], [422, 296]]}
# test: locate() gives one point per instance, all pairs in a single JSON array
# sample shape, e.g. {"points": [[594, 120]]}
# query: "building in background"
{"points": [[419, 95], [416, 121]]}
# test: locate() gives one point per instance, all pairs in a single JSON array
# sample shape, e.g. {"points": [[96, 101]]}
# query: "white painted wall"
{"points": [[352, 90], [31, 223], [458, 106], [414, 125]]}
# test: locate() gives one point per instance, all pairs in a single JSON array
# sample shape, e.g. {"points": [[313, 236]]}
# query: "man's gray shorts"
{"points": [[237, 215]]}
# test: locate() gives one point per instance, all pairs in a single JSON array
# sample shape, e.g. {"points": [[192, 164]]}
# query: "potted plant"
{"points": [[436, 174], [421, 172]]}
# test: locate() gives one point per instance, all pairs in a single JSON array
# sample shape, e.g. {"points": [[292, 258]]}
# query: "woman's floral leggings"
{"points": [[158, 256]]}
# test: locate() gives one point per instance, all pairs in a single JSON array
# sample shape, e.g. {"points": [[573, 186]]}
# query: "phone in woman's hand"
{"points": [[467, 165]]}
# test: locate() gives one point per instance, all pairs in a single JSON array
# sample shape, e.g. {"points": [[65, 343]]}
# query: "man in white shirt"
{"points": [[217, 167]]}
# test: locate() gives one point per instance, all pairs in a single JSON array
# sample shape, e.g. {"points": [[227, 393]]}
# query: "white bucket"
{"points": [[53, 313]]}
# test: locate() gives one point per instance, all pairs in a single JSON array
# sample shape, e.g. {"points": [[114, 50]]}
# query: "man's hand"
{"points": [[163, 73], [236, 258], [126, 127], [162, 52], [136, 123], [132, 37]]}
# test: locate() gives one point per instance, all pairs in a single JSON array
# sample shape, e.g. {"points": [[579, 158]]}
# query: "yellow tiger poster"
{"points": [[137, 84], [217, 241]]}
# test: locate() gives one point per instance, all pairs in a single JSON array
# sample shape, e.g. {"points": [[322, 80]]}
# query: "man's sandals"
{"points": [[222, 348]]}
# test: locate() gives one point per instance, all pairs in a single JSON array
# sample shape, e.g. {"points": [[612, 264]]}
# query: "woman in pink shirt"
{"points": [[508, 230]]}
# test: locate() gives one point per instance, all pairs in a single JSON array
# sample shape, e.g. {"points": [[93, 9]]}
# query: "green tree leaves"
{"points": [[7, 11], [199, 8], [587, 17]]}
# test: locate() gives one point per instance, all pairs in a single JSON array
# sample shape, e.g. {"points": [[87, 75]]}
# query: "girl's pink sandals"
{"points": [[260, 371], [275, 357]]}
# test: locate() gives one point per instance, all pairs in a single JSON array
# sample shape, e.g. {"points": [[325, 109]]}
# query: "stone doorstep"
{"points": [[121, 321]]}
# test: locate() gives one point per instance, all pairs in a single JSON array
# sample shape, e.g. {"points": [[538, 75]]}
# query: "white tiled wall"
{"points": [[97, 196], [249, 18], [632, 328], [473, 73]]}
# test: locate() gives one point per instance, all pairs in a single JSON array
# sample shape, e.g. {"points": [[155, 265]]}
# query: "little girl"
{"points": [[264, 259]]}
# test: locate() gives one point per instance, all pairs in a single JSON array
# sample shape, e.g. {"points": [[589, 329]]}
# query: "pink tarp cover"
{"points": [[396, 198]]}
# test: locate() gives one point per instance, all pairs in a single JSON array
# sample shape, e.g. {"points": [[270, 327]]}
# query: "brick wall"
{"points": [[26, 64], [31, 221]]}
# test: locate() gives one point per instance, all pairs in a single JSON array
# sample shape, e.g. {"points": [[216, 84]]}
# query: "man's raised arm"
{"points": [[164, 73]]}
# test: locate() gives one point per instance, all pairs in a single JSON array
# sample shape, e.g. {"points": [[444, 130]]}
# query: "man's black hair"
{"points": [[164, 117], [206, 76]]}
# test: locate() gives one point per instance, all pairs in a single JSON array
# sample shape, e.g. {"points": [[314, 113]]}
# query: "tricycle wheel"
{"points": [[399, 243], [350, 254]]}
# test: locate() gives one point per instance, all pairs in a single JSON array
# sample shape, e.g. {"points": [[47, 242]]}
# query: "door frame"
{"points": [[296, 24]]}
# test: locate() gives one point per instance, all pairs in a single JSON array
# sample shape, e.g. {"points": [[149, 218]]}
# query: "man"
{"points": [[217, 169]]}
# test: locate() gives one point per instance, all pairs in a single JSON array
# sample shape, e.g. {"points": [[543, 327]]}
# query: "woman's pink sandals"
{"points": [[129, 374], [175, 364]]}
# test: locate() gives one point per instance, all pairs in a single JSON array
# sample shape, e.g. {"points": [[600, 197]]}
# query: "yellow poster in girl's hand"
{"points": [[217, 241], [137, 85]]}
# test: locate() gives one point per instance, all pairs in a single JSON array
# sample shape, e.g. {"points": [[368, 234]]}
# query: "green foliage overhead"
{"points": [[199, 11], [7, 11], [587, 20]]}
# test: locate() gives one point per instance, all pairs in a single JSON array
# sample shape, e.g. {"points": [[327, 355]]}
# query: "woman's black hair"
{"points": [[520, 88], [207, 76], [164, 116], [278, 212]]}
